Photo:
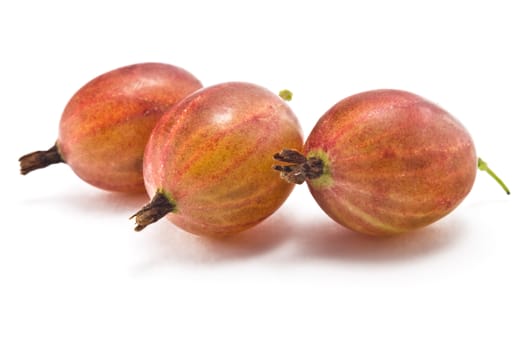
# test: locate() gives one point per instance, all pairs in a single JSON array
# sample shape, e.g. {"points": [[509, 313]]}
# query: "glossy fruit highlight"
{"points": [[106, 124], [385, 162], [208, 163]]}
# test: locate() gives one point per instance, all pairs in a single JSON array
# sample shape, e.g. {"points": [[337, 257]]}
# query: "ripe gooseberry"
{"points": [[106, 124], [384, 162], [208, 163]]}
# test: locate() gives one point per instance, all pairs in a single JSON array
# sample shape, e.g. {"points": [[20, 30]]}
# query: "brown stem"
{"points": [[156, 209], [40, 159], [302, 168]]}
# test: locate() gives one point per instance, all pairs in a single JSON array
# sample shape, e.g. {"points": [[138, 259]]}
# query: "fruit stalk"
{"points": [[155, 210], [286, 95], [39, 159], [482, 165]]}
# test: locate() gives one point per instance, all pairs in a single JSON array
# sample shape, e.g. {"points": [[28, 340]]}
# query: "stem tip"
{"points": [[483, 166]]}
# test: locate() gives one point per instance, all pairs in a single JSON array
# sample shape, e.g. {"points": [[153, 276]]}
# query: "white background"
{"points": [[74, 274]]}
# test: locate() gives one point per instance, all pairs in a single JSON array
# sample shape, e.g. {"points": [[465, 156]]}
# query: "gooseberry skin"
{"points": [[105, 126], [211, 156], [393, 162]]}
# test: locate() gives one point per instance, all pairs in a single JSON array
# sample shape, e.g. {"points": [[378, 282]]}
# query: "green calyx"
{"points": [[325, 179]]}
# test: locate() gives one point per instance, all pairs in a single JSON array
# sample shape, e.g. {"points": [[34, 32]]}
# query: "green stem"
{"points": [[482, 165], [286, 95]]}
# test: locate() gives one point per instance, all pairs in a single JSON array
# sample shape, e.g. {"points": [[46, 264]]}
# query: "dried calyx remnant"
{"points": [[300, 169], [39, 159], [156, 209]]}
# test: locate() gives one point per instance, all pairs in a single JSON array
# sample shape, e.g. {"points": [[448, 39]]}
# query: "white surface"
{"points": [[75, 275]]}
